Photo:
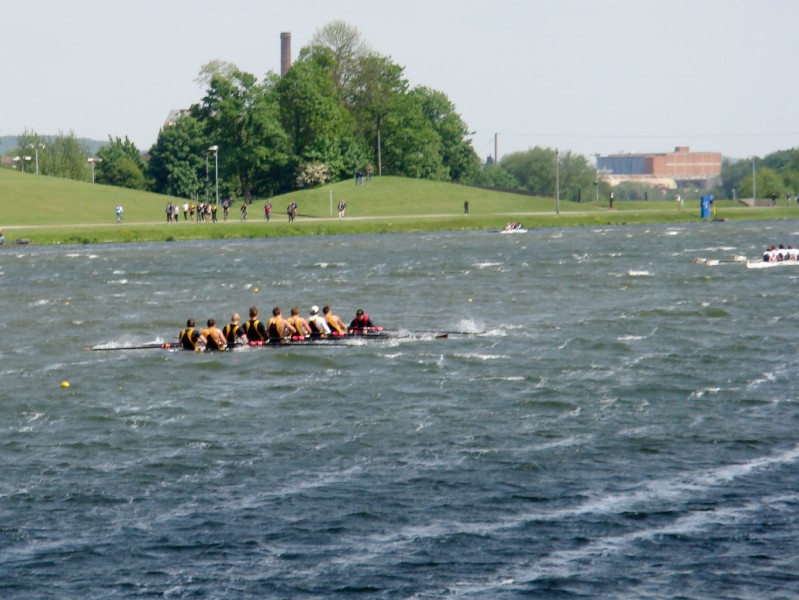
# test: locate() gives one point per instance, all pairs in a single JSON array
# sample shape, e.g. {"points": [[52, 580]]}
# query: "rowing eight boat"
{"points": [[762, 264]]}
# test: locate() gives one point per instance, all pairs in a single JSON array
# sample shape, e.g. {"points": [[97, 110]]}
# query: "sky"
{"points": [[581, 76]]}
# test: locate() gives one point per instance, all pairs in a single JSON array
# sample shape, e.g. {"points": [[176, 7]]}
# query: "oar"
{"points": [[150, 346], [442, 334]]}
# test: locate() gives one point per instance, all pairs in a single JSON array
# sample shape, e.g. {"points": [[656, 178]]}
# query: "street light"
{"points": [[596, 179], [92, 160], [21, 160], [36, 148], [557, 182], [215, 150]]}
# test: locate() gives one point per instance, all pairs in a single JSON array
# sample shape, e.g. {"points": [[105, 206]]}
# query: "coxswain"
{"points": [[361, 323], [319, 328], [337, 326], [214, 338], [234, 333], [299, 323], [190, 338], [278, 328], [254, 329]]}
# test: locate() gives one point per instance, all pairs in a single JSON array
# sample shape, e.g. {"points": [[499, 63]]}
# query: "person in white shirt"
{"points": [[319, 327]]}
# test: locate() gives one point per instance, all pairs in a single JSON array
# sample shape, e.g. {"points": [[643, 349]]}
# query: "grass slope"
{"points": [[49, 210]]}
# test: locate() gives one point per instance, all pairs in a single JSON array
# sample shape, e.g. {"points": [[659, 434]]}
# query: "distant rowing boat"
{"points": [[713, 262], [762, 264]]}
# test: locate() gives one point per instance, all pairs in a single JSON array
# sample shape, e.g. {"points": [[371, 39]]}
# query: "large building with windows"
{"points": [[682, 166]]}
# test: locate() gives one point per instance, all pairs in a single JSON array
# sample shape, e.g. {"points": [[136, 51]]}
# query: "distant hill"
{"points": [[9, 142]]}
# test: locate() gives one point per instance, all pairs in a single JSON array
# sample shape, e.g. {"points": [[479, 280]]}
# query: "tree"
{"points": [[768, 182], [346, 47], [377, 82], [457, 153], [66, 157], [411, 147], [129, 172], [313, 118], [534, 169], [241, 118], [177, 165], [494, 176]]}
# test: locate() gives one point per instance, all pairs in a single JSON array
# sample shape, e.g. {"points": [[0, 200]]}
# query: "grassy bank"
{"points": [[47, 210]]}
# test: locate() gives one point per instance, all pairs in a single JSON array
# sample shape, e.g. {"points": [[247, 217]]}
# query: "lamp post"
{"points": [[754, 183], [215, 150], [596, 180], [557, 182], [36, 148], [21, 160], [92, 160]]}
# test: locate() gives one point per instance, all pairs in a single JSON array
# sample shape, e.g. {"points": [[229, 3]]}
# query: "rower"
{"points": [[299, 323], [361, 323], [319, 328], [278, 328], [190, 338], [214, 338], [336, 325], [254, 329], [234, 332]]}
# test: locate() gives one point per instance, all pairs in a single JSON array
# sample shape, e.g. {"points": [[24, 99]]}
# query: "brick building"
{"points": [[682, 166]]}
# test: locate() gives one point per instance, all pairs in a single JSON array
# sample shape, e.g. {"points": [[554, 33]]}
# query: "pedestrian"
{"points": [[342, 208], [118, 211], [267, 210], [465, 207], [243, 211]]}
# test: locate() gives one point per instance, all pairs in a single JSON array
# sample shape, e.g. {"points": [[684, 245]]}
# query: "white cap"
{"points": [[314, 309]]}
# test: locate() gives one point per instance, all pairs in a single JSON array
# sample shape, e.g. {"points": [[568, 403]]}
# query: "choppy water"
{"points": [[625, 427]]}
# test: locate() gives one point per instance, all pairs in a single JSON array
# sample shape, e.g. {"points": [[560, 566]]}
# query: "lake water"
{"points": [[623, 423]]}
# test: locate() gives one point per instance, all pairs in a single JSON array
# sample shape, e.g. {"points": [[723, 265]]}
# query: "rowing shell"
{"points": [[762, 264], [340, 340]]}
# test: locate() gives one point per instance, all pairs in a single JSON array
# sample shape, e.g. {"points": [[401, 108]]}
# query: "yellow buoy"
{"points": [[255, 290], [65, 384]]}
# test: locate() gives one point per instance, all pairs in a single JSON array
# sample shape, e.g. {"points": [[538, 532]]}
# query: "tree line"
{"points": [[340, 107]]}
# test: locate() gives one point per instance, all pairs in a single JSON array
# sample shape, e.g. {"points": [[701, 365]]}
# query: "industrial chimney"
{"points": [[285, 52]]}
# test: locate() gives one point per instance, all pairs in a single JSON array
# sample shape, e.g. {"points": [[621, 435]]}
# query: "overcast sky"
{"points": [[587, 76]]}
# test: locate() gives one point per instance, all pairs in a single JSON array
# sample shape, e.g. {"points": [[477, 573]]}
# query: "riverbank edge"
{"points": [[142, 232]]}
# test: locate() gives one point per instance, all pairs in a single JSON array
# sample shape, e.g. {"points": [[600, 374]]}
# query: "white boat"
{"points": [[762, 264], [714, 262], [518, 228]]}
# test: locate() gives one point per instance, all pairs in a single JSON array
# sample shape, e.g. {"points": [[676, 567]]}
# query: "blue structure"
{"points": [[704, 206]]}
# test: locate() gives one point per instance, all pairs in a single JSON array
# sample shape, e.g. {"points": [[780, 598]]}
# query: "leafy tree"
{"points": [[30, 146], [312, 116], [373, 89], [457, 153], [346, 48], [177, 164], [577, 177], [768, 182], [129, 172], [411, 147], [124, 172], [494, 176], [534, 169], [66, 157], [241, 117]]}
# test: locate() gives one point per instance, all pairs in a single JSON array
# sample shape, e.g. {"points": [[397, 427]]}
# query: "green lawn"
{"points": [[48, 210]]}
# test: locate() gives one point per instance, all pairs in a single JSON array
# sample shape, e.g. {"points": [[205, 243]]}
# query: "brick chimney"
{"points": [[285, 52]]}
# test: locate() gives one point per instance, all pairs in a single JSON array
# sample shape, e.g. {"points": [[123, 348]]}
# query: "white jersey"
{"points": [[317, 323]]}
